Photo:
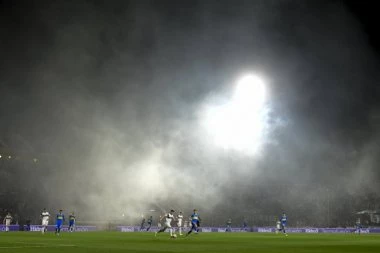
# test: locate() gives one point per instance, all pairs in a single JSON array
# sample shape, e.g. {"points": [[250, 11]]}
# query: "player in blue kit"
{"points": [[72, 222], [283, 220], [195, 219], [59, 222]]}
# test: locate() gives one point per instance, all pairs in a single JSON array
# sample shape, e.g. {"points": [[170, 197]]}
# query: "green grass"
{"points": [[26, 242]]}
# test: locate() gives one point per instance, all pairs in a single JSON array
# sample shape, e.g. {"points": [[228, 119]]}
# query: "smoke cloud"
{"points": [[109, 97]]}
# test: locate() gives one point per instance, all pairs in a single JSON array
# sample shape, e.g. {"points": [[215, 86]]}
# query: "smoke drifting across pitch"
{"points": [[116, 92]]}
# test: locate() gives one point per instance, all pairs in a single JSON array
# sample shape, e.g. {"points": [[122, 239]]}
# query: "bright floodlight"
{"points": [[250, 92], [240, 123]]}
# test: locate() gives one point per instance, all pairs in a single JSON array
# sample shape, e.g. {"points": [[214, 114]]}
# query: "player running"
{"points": [[142, 227], [60, 218], [7, 221], [278, 226], [195, 220], [159, 225], [45, 216], [168, 219], [72, 220], [150, 221], [283, 220], [179, 222]]}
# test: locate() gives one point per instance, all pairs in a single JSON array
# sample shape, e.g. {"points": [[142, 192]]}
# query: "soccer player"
{"points": [[168, 220], [283, 220], [45, 215], [278, 226], [195, 219], [150, 221], [159, 225], [358, 227], [7, 221], [229, 223], [72, 222], [142, 224], [60, 218], [179, 222], [245, 223]]}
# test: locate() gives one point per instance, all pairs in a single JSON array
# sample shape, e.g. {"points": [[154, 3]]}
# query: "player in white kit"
{"points": [[168, 220], [45, 215], [278, 226], [7, 221], [179, 222]]}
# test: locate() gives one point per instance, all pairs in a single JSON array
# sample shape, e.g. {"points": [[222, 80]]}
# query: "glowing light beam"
{"points": [[240, 123]]}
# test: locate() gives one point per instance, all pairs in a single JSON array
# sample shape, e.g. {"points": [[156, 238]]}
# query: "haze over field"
{"points": [[114, 100]]}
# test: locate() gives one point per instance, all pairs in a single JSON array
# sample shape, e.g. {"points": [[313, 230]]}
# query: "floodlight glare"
{"points": [[240, 123], [250, 92]]}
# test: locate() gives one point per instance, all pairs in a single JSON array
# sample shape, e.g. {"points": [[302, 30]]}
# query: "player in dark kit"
{"points": [[228, 223], [150, 220], [142, 224]]}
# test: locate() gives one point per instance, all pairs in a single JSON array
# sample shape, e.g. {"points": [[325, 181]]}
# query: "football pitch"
{"points": [[204, 242]]}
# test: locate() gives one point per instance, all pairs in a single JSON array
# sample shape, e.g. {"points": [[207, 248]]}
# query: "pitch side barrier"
{"points": [[257, 230], [38, 228], [51, 228]]}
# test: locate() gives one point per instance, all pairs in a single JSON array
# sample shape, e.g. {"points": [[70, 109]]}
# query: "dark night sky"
{"points": [[104, 84], [27, 41], [365, 12]]}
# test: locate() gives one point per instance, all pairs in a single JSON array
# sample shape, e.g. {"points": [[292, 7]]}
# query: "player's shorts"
{"points": [[45, 222], [71, 223], [59, 224], [179, 224], [167, 224], [7, 223]]}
